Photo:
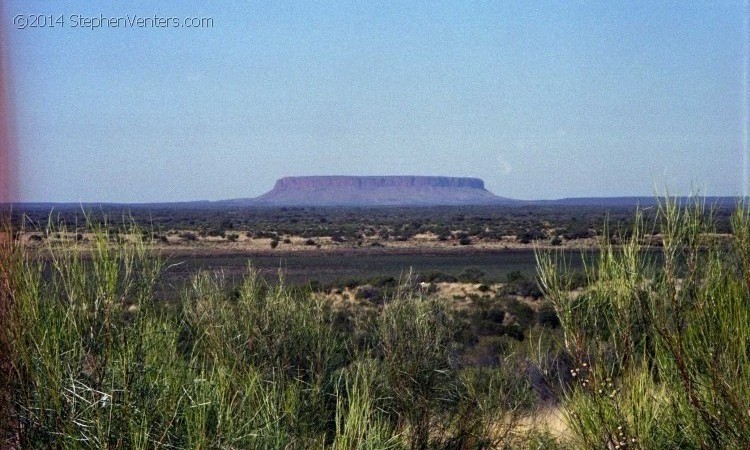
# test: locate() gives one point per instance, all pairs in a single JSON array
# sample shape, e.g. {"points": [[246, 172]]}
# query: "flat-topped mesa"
{"points": [[375, 182], [378, 191]]}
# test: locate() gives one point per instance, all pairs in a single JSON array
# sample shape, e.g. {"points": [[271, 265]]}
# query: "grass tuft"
{"points": [[660, 344]]}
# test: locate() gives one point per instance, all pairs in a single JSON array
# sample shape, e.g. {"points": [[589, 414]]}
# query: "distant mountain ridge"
{"points": [[377, 191], [642, 201]]}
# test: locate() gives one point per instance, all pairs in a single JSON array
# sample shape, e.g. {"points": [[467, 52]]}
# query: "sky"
{"points": [[541, 99]]}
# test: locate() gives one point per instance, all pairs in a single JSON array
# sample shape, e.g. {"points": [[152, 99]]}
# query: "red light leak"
{"points": [[8, 145]]}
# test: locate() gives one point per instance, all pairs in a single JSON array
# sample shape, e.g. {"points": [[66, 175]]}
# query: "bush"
{"points": [[496, 315], [442, 407], [488, 351], [439, 277], [660, 345], [515, 277], [578, 233], [547, 317], [519, 284], [188, 236], [471, 275], [527, 236], [216, 232], [383, 281], [94, 362], [416, 347], [369, 293], [523, 313]]}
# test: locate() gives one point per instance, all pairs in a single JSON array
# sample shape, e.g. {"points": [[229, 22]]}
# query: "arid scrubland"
{"points": [[650, 352]]}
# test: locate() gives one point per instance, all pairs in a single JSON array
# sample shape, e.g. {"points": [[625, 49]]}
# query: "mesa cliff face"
{"points": [[378, 191]]}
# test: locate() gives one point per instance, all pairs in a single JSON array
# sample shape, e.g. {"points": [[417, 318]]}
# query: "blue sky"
{"points": [[539, 99]]}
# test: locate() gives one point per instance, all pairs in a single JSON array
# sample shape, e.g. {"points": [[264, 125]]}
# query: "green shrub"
{"points": [[95, 362], [661, 345], [523, 314], [188, 236], [547, 317], [519, 284], [471, 275], [439, 277], [370, 293], [434, 403]]}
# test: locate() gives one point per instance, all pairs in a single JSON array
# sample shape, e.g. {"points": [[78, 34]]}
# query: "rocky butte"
{"points": [[378, 191]]}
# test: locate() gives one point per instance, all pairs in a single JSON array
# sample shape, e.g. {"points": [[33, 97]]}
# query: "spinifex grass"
{"points": [[82, 329], [94, 363], [10, 257], [661, 346]]}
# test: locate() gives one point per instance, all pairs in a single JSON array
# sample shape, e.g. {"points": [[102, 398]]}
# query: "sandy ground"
{"points": [[550, 419], [458, 293], [421, 243]]}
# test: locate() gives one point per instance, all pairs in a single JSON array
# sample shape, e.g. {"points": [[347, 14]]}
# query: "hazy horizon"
{"points": [[656, 195], [121, 102]]}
